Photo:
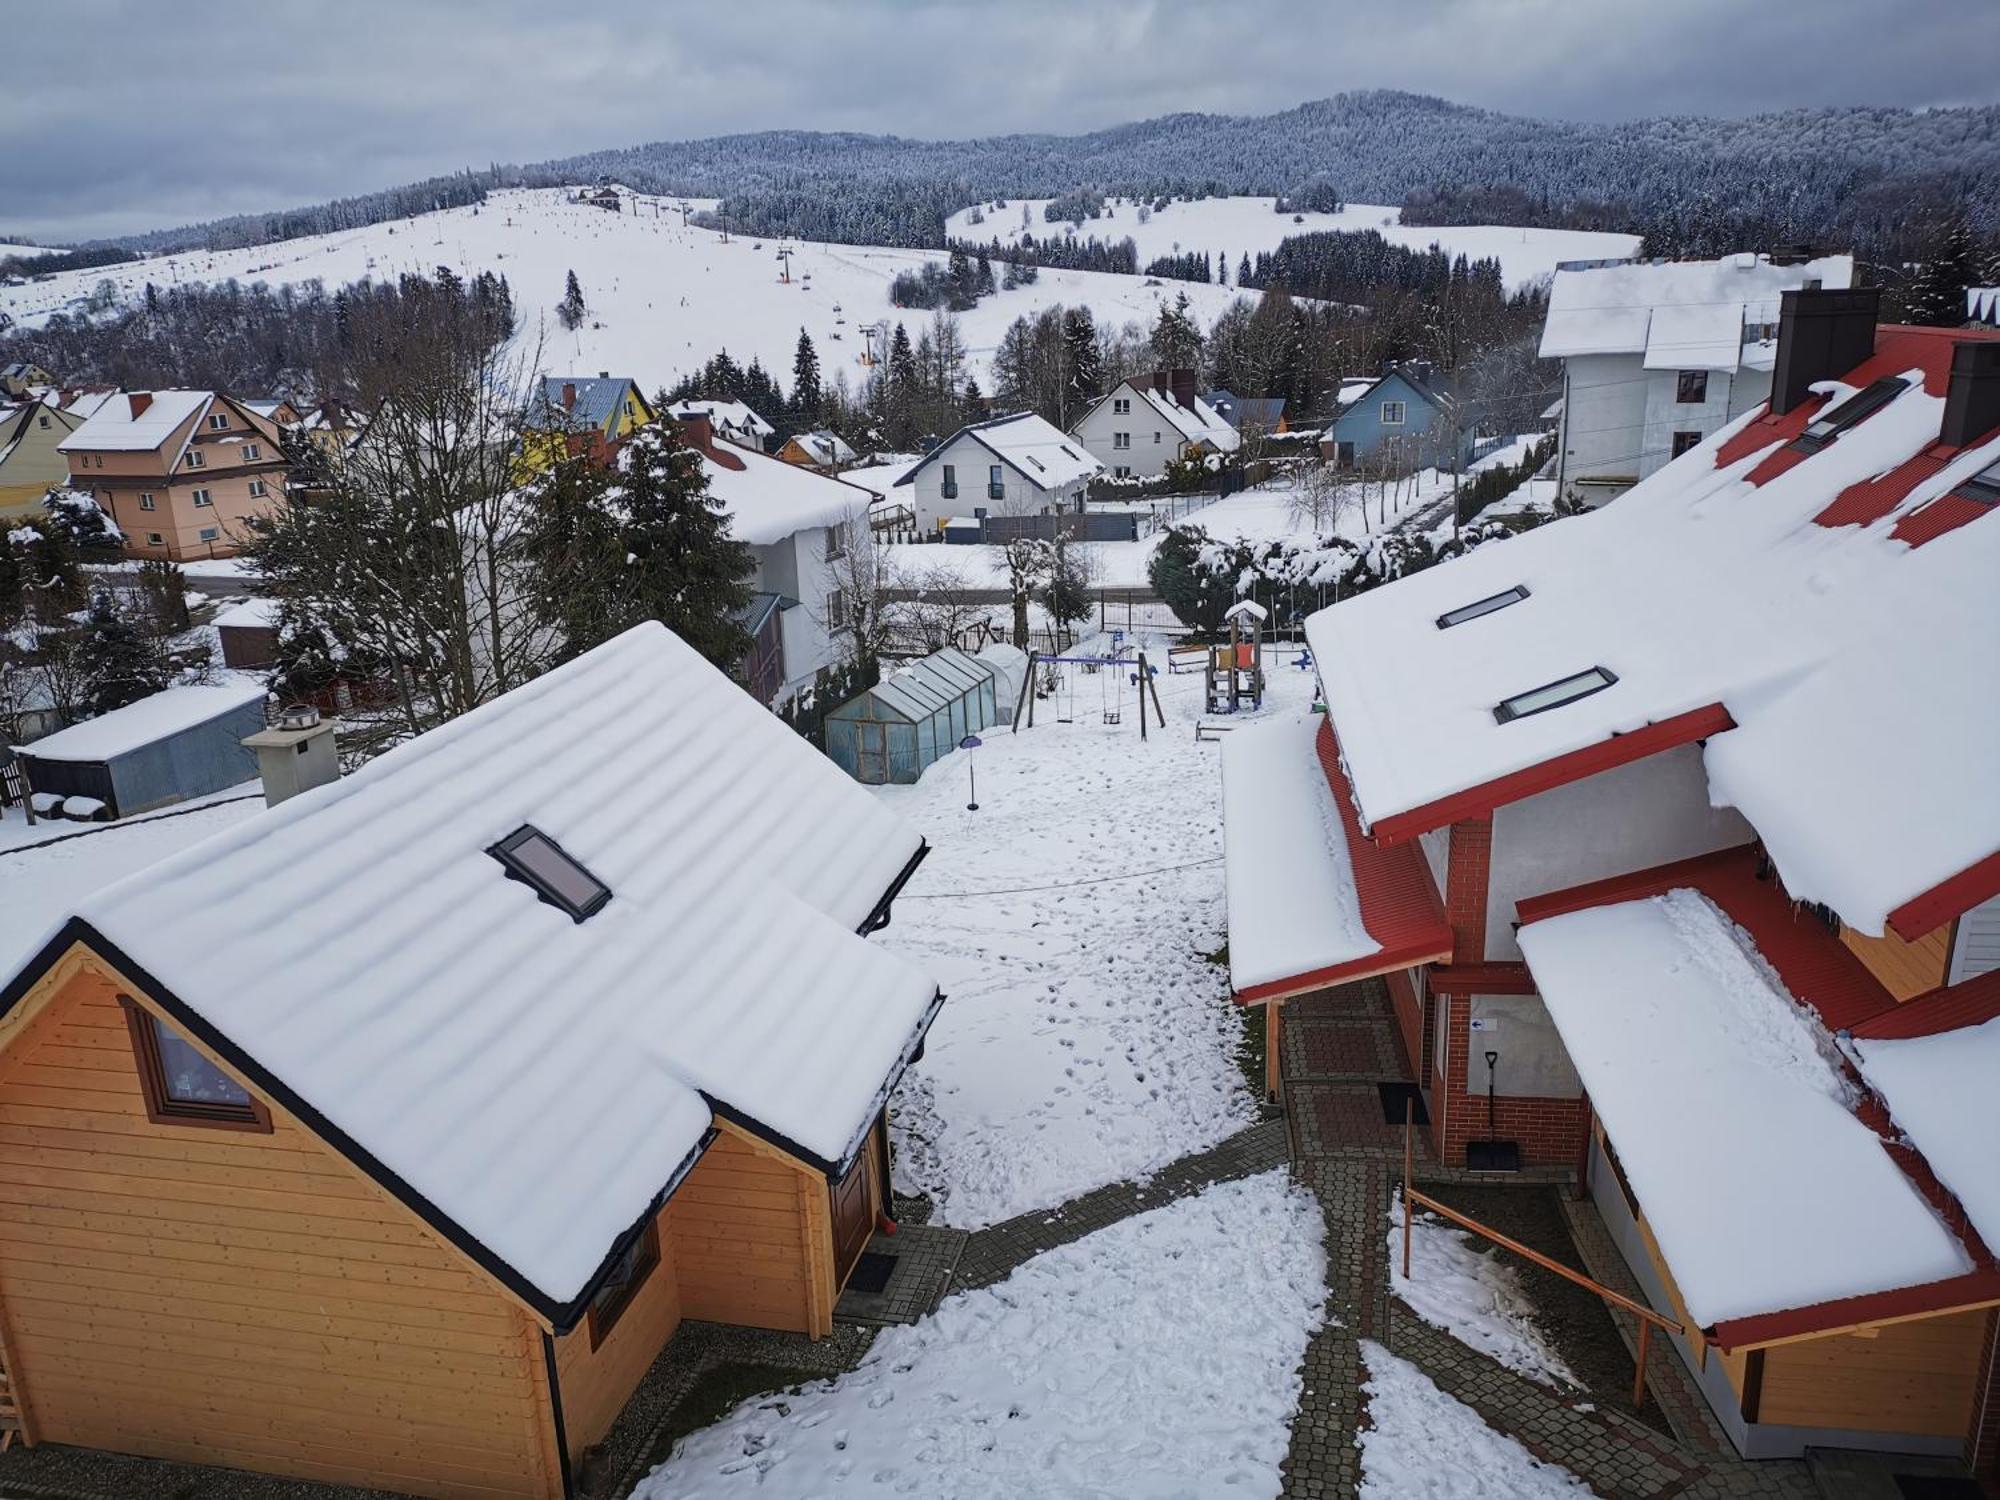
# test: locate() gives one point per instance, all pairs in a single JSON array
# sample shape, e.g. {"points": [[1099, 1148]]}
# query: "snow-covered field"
{"points": [[1156, 1358], [1086, 1039], [1236, 226], [1421, 1444], [663, 297]]}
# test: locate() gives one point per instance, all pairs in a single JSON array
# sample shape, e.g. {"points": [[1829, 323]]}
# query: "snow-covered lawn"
{"points": [[1158, 1357], [1086, 1039], [1421, 1444], [1472, 1294]]}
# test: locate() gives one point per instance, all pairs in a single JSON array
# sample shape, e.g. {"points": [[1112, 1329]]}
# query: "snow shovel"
{"points": [[1490, 1155]]}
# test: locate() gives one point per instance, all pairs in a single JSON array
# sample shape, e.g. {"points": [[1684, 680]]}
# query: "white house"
{"points": [[1658, 356], [1145, 423], [1006, 466], [797, 521], [730, 419]]}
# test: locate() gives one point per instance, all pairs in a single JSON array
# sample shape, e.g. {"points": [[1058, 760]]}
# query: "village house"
{"points": [[424, 1105], [1408, 418], [21, 380], [1018, 465], [30, 460], [1149, 421], [733, 421], [1982, 306], [1669, 830], [824, 451], [574, 414], [179, 471], [1251, 416], [1658, 356]]}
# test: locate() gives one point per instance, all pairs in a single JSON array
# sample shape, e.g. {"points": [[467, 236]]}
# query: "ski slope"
{"points": [[663, 296], [1236, 226]]}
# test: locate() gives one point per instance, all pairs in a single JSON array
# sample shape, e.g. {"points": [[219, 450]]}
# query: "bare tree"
{"points": [[1321, 495], [859, 578], [942, 605]]}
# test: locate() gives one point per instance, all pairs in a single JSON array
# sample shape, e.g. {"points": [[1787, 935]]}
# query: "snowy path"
{"points": [[1157, 1357], [1086, 1038]]}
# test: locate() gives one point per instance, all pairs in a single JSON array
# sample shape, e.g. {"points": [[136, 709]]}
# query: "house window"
{"points": [[1392, 413], [181, 1085], [154, 539], [538, 861], [196, 459], [1479, 607], [208, 534], [1684, 441], [218, 421], [1343, 454], [256, 489], [996, 489], [1121, 440], [1121, 407], [203, 497], [42, 421], [251, 453], [836, 543], [836, 610], [1122, 471], [949, 489], [146, 500], [628, 1273], [1692, 387], [1156, 439], [1553, 695]]}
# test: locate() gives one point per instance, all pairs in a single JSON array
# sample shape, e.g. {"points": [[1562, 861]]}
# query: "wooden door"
{"points": [[853, 1200]]}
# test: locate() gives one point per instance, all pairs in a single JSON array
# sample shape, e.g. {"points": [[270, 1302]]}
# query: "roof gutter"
{"points": [[878, 918]]}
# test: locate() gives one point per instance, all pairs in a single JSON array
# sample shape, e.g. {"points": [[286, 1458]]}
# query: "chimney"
{"points": [[697, 431], [1972, 401], [140, 401], [1821, 336], [296, 754], [1183, 389], [569, 395], [603, 374]]}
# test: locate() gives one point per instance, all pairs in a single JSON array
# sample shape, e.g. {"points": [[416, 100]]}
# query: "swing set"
{"points": [[1047, 678]]}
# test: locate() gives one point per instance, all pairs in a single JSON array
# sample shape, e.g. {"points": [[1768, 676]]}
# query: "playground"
{"points": [[1075, 920]]}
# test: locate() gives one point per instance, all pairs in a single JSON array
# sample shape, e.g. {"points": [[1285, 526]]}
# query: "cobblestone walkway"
{"points": [[1335, 1049]]}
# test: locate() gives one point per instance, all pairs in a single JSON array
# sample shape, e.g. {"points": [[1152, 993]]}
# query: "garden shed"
{"points": [[181, 743], [912, 717]]}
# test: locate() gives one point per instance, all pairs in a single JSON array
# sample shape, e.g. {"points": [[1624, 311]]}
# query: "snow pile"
{"points": [[1156, 1358], [1729, 1113], [1472, 1294], [1421, 1444], [1940, 1092]]}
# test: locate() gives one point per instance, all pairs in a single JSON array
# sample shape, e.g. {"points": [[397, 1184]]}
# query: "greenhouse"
{"points": [[912, 717]]}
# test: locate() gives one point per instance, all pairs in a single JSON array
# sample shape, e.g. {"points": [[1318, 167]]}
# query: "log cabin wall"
{"points": [[597, 1382], [1904, 969], [240, 1298], [1916, 1379], [744, 1238]]}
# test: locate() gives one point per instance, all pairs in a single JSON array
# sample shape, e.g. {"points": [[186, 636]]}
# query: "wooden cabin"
{"points": [[418, 1207]]}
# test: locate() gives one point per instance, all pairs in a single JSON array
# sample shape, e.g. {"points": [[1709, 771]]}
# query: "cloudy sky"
{"points": [[123, 115]]}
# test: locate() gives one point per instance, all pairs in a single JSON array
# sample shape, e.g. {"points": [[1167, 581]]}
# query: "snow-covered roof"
{"points": [[87, 403], [541, 1083], [113, 428], [151, 719], [824, 447], [598, 399], [731, 418], [258, 614], [1036, 449], [769, 499], [1730, 1112], [1200, 423], [1687, 314], [1940, 1094], [1810, 600]]}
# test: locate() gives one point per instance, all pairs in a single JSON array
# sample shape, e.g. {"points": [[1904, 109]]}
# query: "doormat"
{"points": [[1938, 1487], [1394, 1096], [872, 1272]]}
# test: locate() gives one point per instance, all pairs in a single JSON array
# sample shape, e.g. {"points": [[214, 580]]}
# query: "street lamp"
{"points": [[971, 742]]}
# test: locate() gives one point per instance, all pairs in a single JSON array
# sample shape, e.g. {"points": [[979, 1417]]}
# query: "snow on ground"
{"points": [[1085, 1038], [1421, 1444], [1472, 1294], [663, 296], [1234, 226], [1158, 1357]]}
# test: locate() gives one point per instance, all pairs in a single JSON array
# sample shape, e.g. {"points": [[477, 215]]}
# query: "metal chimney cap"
{"points": [[298, 716]]}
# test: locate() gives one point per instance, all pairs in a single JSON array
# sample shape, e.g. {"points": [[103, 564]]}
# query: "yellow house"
{"points": [[575, 414], [29, 462]]}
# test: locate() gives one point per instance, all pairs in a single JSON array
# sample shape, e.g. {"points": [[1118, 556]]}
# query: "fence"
{"points": [[1094, 526], [1135, 611]]}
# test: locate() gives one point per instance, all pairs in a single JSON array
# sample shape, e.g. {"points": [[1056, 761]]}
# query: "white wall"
{"points": [[796, 567], [1666, 415], [1604, 420], [972, 460], [1533, 1063], [1631, 818], [1154, 442]]}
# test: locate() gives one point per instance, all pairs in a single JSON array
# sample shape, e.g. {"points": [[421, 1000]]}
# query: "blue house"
{"points": [[1409, 416]]}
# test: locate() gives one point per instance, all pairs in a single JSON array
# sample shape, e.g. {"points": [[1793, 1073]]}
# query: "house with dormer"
{"points": [[1016, 465]]}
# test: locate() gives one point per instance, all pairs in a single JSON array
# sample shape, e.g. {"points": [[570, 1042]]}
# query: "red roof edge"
{"points": [[1605, 755], [1949, 898], [1399, 901], [1972, 1288], [1946, 1008]]}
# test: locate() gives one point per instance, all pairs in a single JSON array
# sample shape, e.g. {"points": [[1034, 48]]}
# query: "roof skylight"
{"points": [[1480, 607], [538, 861], [1856, 409], [1553, 695], [1983, 486]]}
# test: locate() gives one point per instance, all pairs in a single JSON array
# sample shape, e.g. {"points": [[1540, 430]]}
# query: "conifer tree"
{"points": [[686, 570], [1176, 339], [571, 309], [1086, 371], [806, 395], [125, 663], [1936, 297]]}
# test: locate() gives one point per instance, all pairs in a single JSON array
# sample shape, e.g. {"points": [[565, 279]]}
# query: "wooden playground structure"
{"points": [[1047, 678], [1236, 667]]}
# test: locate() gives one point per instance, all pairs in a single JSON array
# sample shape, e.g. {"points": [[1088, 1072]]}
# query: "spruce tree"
{"points": [[571, 309], [1176, 339], [686, 569], [1086, 371], [125, 664], [1936, 297], [806, 394]]}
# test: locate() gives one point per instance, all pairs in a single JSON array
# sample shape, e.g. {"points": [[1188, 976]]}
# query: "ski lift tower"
{"points": [[785, 264], [1236, 668]]}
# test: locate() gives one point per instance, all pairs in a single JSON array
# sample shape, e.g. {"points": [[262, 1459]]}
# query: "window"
{"points": [[42, 420], [628, 1273], [181, 1085], [196, 459], [218, 420], [1156, 439], [1121, 440], [949, 489], [1984, 486], [537, 860], [1684, 441], [1121, 407], [208, 534], [1122, 471], [154, 539], [256, 489], [996, 488], [146, 500], [1553, 695], [1691, 389], [1481, 607], [203, 497], [836, 610], [1855, 410], [836, 543], [1392, 414], [251, 453]]}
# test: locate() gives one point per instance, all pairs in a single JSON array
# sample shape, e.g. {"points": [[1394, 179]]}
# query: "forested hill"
{"points": [[1849, 175]]}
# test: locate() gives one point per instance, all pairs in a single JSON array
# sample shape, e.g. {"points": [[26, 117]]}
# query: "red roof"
{"points": [[1946, 1008], [1399, 901]]}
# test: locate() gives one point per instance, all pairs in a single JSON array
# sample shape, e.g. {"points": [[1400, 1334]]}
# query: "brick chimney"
{"points": [[140, 400], [569, 395], [1822, 335], [699, 432], [1972, 400], [1183, 389]]}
